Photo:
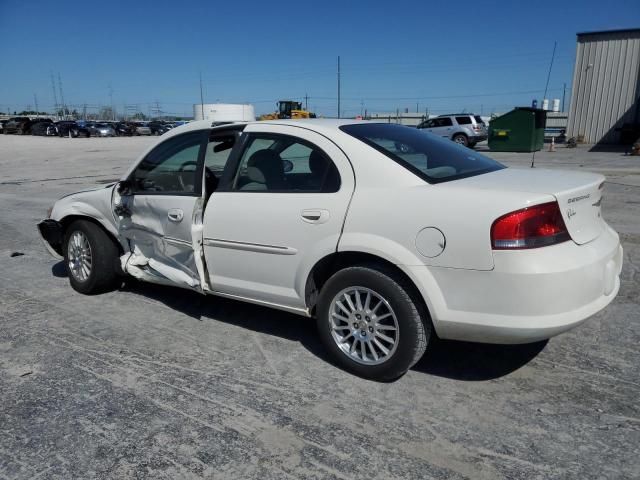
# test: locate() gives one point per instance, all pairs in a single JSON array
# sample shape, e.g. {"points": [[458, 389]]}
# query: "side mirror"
{"points": [[125, 187], [287, 165]]}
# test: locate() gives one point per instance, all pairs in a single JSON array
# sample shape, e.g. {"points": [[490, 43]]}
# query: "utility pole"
{"points": [[113, 113], [201, 97], [338, 86], [306, 102], [55, 96], [417, 107], [361, 106], [35, 100], [564, 91], [64, 108]]}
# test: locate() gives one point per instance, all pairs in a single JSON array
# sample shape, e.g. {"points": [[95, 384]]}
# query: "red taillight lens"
{"points": [[532, 227]]}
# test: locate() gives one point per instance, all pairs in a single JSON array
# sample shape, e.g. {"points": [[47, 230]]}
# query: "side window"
{"points": [[280, 163], [444, 122], [215, 159], [171, 167], [463, 120]]}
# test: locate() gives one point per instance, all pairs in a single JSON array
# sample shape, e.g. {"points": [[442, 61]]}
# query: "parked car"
{"points": [[123, 129], [384, 248], [142, 128], [462, 128], [99, 129], [2, 122], [66, 128], [19, 125], [41, 126], [159, 128]]}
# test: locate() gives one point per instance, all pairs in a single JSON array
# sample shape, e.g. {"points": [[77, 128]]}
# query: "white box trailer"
{"points": [[224, 112]]}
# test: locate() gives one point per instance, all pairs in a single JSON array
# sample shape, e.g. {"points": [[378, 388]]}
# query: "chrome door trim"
{"points": [[250, 247]]}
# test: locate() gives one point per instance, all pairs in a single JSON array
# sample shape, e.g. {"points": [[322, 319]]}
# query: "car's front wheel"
{"points": [[370, 322], [90, 257]]}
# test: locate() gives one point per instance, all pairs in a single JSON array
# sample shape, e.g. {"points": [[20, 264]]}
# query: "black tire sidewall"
{"points": [[103, 257], [407, 314]]}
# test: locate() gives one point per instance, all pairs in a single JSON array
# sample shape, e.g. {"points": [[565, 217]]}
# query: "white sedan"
{"points": [[385, 234]]}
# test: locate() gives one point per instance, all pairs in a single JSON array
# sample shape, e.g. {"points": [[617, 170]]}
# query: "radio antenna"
{"points": [[546, 88]]}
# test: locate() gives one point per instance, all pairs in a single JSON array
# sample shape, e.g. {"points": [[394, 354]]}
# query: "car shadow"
{"points": [[59, 270], [469, 361], [464, 361]]}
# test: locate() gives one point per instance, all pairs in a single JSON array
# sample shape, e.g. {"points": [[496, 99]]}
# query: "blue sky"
{"points": [[480, 55]]}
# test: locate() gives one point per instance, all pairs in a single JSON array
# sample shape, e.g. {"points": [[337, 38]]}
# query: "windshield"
{"points": [[431, 158]]}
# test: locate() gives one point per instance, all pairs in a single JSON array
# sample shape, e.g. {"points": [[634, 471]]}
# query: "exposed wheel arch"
{"points": [[69, 219], [334, 262]]}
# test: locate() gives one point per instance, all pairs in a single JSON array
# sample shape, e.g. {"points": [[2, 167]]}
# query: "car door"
{"points": [[280, 209], [155, 211], [443, 127]]}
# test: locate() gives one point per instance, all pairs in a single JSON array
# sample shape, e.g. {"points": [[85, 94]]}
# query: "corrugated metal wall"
{"points": [[606, 85]]}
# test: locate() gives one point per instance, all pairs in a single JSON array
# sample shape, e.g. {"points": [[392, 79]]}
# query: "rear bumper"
{"points": [[52, 235], [477, 138], [529, 295]]}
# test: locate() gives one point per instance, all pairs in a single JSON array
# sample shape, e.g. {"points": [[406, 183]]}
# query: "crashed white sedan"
{"points": [[383, 233]]}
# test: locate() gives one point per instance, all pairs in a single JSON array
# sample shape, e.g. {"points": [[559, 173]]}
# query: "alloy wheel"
{"points": [[79, 255], [363, 325]]}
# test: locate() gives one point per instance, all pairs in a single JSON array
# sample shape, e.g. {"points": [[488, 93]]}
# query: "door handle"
{"points": [[315, 215], [175, 215]]}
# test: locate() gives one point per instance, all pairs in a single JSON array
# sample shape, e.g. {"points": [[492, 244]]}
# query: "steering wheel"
{"points": [[181, 170]]}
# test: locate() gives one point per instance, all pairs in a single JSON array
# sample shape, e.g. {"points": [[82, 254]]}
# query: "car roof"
{"points": [[320, 125]]}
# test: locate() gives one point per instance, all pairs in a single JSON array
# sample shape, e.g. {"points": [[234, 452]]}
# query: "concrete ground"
{"points": [[161, 383]]}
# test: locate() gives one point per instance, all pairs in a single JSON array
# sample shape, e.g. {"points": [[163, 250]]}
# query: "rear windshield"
{"points": [[428, 156], [478, 119]]}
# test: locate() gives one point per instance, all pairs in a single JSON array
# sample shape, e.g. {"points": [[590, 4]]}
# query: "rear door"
{"points": [[155, 214], [281, 208]]}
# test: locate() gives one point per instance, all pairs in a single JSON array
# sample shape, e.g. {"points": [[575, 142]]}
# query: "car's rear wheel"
{"points": [[461, 139], [370, 322], [90, 257]]}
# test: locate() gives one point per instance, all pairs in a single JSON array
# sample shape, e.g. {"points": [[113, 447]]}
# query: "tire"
{"points": [[103, 254], [408, 316], [461, 139]]}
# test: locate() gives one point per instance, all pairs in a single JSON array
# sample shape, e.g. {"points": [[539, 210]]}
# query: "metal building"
{"points": [[606, 85]]}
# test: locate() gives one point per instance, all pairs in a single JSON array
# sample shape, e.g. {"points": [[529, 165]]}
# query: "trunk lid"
{"points": [[579, 194]]}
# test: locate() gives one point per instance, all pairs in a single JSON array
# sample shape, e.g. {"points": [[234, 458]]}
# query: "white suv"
{"points": [[386, 235], [462, 128]]}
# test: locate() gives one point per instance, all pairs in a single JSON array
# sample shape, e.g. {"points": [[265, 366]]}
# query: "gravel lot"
{"points": [[154, 382]]}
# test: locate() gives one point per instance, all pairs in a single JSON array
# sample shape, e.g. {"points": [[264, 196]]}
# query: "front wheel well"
{"points": [[326, 267], [69, 219]]}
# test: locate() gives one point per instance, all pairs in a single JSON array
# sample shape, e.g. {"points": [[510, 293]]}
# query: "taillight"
{"points": [[531, 227]]}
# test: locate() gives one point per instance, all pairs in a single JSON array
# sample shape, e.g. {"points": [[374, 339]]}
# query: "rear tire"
{"points": [[461, 139], [90, 257], [408, 325]]}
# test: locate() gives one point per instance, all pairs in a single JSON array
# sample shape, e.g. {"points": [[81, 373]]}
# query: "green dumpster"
{"points": [[520, 130]]}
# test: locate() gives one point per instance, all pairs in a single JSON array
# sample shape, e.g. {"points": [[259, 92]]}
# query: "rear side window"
{"points": [[478, 119], [463, 120], [284, 164], [431, 158], [442, 122]]}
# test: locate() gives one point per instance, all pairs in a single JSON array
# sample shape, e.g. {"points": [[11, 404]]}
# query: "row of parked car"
{"points": [[65, 128]]}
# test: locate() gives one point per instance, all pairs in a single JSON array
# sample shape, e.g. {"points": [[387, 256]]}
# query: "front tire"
{"points": [[370, 322], [90, 257]]}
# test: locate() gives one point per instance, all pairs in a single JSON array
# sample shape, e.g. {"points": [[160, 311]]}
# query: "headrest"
{"points": [[265, 166]]}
